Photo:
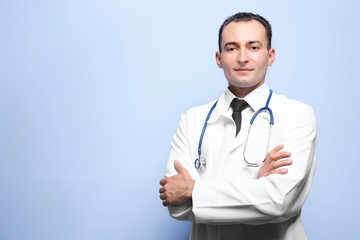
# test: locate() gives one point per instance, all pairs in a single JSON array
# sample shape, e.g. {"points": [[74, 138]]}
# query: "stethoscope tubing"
{"points": [[198, 160]]}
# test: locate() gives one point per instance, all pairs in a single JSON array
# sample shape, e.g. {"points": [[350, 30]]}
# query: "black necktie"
{"points": [[238, 105]]}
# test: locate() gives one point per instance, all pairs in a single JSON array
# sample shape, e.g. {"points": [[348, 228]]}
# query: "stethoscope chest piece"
{"points": [[200, 163]]}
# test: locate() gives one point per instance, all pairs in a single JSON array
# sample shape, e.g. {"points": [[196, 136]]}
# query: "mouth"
{"points": [[243, 70]]}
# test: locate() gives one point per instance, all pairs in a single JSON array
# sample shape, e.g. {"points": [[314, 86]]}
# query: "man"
{"points": [[228, 197]]}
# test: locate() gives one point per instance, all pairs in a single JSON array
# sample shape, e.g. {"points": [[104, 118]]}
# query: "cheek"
{"points": [[226, 63], [263, 63], [227, 70]]}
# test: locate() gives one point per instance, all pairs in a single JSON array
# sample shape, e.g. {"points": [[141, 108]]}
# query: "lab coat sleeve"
{"points": [[271, 199], [180, 151]]}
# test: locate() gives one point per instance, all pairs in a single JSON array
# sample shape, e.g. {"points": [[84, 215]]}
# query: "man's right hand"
{"points": [[273, 161]]}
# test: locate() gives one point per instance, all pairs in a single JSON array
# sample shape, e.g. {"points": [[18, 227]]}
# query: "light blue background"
{"points": [[91, 93]]}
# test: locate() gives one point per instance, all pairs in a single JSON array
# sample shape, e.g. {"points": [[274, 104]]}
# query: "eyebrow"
{"points": [[255, 41], [231, 43], [248, 43]]}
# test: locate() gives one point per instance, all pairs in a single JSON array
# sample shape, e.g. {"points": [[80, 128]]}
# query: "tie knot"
{"points": [[238, 105]]}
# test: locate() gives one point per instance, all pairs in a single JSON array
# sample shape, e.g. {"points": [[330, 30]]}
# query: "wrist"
{"points": [[190, 189]]}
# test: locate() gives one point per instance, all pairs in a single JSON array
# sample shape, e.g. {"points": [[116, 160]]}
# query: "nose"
{"points": [[243, 57]]}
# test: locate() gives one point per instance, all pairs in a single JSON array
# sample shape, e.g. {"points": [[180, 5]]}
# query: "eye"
{"points": [[254, 48], [230, 49]]}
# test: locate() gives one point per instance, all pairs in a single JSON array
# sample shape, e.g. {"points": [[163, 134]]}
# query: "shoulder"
{"points": [[193, 119], [294, 110], [199, 111]]}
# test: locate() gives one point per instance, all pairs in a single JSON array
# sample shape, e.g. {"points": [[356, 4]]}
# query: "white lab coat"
{"points": [[228, 201]]}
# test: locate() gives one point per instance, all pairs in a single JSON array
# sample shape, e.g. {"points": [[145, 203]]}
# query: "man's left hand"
{"points": [[274, 162], [177, 189]]}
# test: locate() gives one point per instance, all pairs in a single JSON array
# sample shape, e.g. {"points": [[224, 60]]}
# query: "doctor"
{"points": [[226, 198]]}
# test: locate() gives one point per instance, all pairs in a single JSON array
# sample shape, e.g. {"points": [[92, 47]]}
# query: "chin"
{"points": [[244, 84]]}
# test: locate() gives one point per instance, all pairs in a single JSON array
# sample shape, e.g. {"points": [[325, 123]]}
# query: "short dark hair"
{"points": [[244, 16]]}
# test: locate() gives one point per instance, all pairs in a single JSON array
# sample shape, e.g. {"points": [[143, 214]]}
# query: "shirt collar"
{"points": [[256, 100]]}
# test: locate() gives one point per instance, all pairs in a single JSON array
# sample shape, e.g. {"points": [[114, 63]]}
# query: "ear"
{"points": [[218, 59], [271, 58]]}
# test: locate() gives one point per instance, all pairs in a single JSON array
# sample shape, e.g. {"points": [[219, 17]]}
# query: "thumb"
{"points": [[178, 166]]}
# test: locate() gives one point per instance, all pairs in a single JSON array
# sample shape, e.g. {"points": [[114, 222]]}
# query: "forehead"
{"points": [[244, 31]]}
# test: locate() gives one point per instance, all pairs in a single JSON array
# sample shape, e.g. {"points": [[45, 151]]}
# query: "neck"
{"points": [[242, 92]]}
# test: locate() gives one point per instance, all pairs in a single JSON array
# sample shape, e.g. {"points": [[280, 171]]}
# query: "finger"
{"points": [[178, 166], [163, 181], [277, 148], [282, 163], [162, 190], [279, 171], [163, 196], [279, 155], [165, 203], [283, 154]]}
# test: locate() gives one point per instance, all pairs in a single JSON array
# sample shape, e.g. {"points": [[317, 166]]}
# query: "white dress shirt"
{"points": [[228, 201]]}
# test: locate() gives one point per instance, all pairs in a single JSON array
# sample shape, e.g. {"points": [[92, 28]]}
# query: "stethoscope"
{"points": [[200, 162]]}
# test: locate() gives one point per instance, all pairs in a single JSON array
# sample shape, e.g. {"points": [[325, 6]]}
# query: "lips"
{"points": [[243, 70]]}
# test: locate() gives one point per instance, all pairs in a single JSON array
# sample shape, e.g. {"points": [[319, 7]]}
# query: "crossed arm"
{"points": [[271, 199], [177, 190]]}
